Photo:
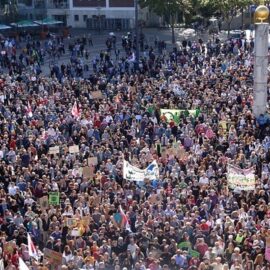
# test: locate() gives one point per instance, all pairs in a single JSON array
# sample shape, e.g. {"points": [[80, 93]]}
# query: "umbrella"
{"points": [[112, 34], [24, 23], [48, 21], [3, 27]]}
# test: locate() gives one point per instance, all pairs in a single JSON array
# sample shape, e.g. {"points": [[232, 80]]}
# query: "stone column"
{"points": [[260, 68]]}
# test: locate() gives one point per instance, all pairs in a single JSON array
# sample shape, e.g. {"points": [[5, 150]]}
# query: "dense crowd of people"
{"points": [[188, 218]]}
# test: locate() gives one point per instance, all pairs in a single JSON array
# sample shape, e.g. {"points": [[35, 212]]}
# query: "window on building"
{"points": [[76, 18], [85, 17]]}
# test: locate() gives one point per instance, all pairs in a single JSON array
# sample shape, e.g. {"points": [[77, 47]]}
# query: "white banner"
{"points": [[242, 179], [133, 173]]}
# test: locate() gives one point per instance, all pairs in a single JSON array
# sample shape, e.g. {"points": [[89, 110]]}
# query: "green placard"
{"points": [[176, 113], [54, 198], [194, 253], [186, 245]]}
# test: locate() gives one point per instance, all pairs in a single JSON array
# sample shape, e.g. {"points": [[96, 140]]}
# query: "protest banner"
{"points": [[71, 222], [86, 172], [171, 115], [55, 258], [194, 253], [73, 149], [44, 202], [242, 179], [185, 245], [133, 173], [54, 150], [92, 161], [224, 126], [174, 114], [97, 95], [75, 232], [54, 198]]}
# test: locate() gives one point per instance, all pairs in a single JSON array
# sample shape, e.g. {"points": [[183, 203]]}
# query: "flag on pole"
{"points": [[29, 110], [22, 265], [75, 110], [31, 248], [125, 221]]}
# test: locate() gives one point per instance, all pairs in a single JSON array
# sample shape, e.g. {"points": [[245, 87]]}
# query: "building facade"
{"points": [[94, 14], [114, 15]]}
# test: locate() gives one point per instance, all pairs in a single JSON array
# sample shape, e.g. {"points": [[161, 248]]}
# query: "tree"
{"points": [[202, 10], [10, 9], [168, 9], [228, 8]]}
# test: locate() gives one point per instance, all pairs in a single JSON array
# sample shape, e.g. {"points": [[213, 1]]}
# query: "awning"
{"points": [[25, 23], [48, 21], [3, 27]]}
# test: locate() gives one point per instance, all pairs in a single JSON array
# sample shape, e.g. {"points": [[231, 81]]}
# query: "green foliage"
{"points": [[227, 7], [9, 9], [167, 7]]}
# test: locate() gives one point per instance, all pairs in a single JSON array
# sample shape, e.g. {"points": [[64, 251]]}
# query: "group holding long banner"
{"points": [[133, 173], [174, 114], [242, 179]]}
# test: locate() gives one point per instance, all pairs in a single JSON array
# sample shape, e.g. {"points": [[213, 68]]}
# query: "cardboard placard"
{"points": [[92, 161], [54, 198], [44, 202], [54, 150], [97, 95], [55, 258], [86, 172], [71, 222], [75, 232], [73, 149]]}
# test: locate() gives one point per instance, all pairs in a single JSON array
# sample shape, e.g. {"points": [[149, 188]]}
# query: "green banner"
{"points": [[194, 253], [175, 114], [54, 198], [184, 245]]}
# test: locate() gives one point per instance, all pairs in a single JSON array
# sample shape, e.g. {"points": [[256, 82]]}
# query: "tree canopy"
{"points": [[162, 7]]}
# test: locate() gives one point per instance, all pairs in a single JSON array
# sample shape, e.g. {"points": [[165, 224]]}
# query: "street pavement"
{"points": [[99, 40]]}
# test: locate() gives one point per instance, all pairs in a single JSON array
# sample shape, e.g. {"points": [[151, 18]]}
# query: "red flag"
{"points": [[76, 111]]}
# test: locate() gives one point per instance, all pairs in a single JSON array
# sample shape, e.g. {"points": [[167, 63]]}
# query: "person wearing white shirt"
{"points": [[12, 189], [28, 200], [132, 247], [204, 180]]}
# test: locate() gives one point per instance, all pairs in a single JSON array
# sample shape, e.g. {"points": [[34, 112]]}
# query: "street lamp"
{"points": [[137, 32], [99, 19]]}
